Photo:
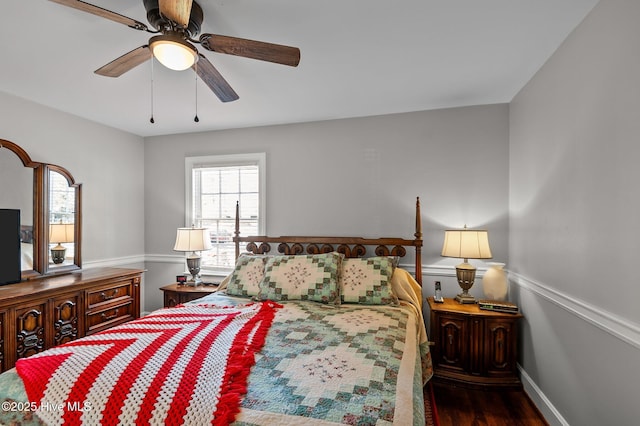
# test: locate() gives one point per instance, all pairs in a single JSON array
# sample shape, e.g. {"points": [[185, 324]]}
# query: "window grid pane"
{"points": [[63, 197], [215, 193]]}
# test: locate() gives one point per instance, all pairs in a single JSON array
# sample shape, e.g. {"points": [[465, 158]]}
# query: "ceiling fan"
{"points": [[177, 22]]}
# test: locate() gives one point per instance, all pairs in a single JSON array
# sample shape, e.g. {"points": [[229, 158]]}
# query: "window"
{"points": [[214, 184], [62, 200]]}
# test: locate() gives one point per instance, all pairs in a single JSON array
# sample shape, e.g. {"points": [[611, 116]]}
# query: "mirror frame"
{"points": [[41, 214]]}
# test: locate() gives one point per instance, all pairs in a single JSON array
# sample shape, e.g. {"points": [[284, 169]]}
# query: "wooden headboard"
{"points": [[349, 246], [26, 234]]}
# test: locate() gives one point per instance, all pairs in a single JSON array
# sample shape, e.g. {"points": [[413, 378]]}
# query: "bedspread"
{"points": [[346, 364], [324, 365]]}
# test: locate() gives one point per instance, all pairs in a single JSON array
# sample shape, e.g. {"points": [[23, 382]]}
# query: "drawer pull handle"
{"points": [[110, 317], [105, 297]]}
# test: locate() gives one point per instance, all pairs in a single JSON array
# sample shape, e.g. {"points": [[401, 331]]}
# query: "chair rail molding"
{"points": [[165, 258], [115, 261], [609, 322], [436, 270]]}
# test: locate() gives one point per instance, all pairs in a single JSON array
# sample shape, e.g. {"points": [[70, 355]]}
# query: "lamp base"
{"points": [[193, 264], [466, 275], [194, 281], [465, 298], [57, 254]]}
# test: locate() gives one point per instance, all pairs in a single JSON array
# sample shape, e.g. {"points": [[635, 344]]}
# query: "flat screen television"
{"points": [[9, 246]]}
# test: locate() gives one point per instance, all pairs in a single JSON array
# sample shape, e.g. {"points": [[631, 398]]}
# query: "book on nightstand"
{"points": [[498, 306]]}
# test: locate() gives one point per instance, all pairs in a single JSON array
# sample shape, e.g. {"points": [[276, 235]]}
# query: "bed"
{"points": [[318, 333]]}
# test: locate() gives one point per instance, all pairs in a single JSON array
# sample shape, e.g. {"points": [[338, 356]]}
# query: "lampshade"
{"points": [[192, 239], [173, 52], [61, 233], [466, 244]]}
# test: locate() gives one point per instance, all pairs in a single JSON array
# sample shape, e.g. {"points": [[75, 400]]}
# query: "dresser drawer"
{"points": [[115, 293], [42, 313], [106, 318]]}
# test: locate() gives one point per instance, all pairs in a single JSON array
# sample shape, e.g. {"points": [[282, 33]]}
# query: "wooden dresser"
{"points": [[40, 314]]}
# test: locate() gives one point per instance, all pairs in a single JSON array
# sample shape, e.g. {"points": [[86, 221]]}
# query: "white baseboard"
{"points": [[547, 409]]}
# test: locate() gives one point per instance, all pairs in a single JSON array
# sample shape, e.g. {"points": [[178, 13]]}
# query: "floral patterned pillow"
{"points": [[304, 277], [247, 275], [368, 281]]}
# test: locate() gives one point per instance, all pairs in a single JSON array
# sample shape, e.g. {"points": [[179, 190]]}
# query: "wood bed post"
{"points": [[237, 231], [418, 236]]}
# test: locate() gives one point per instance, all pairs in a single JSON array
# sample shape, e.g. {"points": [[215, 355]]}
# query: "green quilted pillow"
{"points": [[368, 281], [247, 275], [304, 277]]}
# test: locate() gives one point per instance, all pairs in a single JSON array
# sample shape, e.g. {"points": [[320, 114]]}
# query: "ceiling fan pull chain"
{"points": [[152, 121], [196, 119]]}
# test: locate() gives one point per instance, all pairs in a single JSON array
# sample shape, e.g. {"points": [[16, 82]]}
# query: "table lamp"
{"points": [[60, 233], [193, 240], [466, 244]]}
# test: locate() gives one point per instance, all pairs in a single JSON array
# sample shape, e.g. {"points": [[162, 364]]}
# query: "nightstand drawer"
{"points": [[102, 319], [176, 294], [114, 293]]}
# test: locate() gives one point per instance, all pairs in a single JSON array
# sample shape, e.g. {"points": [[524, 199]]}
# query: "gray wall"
{"points": [[350, 177], [574, 226], [108, 163], [553, 177]]}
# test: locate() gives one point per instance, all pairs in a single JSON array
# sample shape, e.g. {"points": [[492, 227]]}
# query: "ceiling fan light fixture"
{"points": [[173, 52]]}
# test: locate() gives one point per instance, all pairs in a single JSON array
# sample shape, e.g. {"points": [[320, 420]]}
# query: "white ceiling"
{"points": [[358, 58]]}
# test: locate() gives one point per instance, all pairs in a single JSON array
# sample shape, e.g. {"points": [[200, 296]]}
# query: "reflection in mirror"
{"points": [[60, 233], [62, 214], [45, 194], [16, 192]]}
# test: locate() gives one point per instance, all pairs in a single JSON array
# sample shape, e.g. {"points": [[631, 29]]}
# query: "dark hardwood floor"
{"points": [[459, 406]]}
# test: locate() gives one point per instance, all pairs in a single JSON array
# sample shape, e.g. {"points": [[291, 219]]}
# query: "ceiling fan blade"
{"points": [[260, 50], [216, 82], [176, 10], [126, 62], [104, 13]]}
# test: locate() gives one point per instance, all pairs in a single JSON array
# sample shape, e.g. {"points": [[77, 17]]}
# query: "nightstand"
{"points": [[175, 294], [473, 346]]}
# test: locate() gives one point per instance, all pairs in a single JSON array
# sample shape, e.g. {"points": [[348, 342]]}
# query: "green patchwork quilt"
{"points": [[348, 364]]}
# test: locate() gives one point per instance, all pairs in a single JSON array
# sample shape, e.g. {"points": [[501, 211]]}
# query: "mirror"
{"points": [[61, 204], [17, 168], [45, 194]]}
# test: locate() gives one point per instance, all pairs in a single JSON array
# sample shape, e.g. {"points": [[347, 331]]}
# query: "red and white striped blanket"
{"points": [[185, 365]]}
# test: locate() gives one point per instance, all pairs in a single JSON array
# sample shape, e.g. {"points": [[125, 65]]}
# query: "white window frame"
{"points": [[259, 159]]}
